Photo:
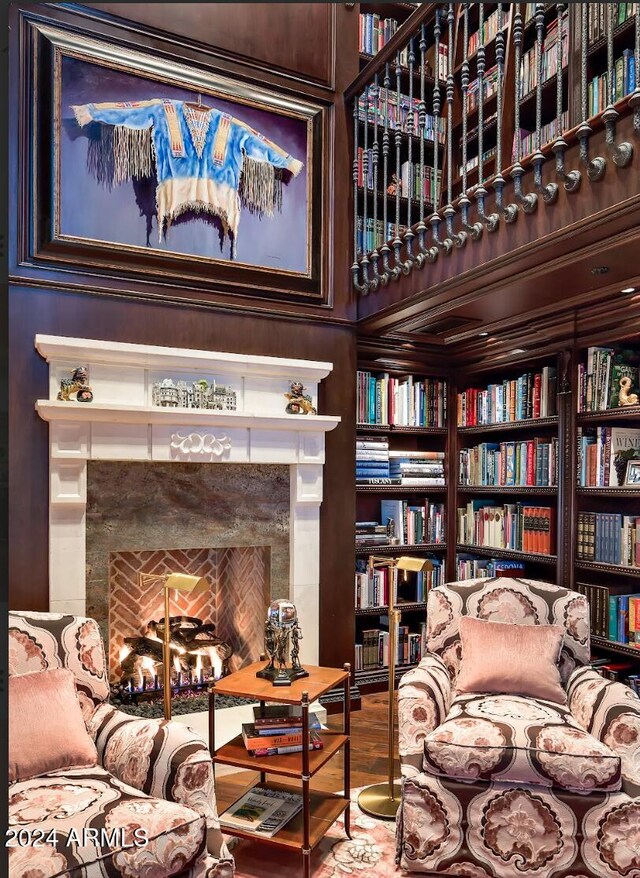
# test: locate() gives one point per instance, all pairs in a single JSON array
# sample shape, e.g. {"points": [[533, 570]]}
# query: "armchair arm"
{"points": [[163, 759], [610, 711], [424, 698]]}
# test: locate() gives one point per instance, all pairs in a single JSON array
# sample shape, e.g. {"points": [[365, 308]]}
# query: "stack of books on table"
{"points": [[262, 810], [278, 729], [372, 461], [417, 467]]}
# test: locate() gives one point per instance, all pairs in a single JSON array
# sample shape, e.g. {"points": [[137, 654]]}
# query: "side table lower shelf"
{"points": [[325, 808]]}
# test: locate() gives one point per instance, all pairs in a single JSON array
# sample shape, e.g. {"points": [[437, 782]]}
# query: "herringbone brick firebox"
{"points": [[236, 602]]}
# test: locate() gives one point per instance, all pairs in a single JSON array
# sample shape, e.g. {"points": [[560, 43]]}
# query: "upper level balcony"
{"points": [[495, 179]]}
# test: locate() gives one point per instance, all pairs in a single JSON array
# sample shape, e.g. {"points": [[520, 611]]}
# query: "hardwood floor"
{"points": [[368, 755]]}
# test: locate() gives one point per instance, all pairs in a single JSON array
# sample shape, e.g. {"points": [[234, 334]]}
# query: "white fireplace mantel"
{"points": [[122, 424]]}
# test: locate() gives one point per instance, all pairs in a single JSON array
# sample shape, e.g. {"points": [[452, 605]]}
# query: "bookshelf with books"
{"points": [[607, 496], [623, 15], [508, 473], [485, 37], [401, 503], [378, 22]]}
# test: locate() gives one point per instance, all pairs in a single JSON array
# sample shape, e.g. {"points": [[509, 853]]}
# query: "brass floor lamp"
{"points": [[180, 582], [383, 799]]}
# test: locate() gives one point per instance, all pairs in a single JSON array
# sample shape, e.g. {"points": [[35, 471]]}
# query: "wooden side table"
{"points": [[319, 810]]}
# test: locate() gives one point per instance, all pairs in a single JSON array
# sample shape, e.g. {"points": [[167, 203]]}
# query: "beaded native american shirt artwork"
{"points": [[204, 161]]}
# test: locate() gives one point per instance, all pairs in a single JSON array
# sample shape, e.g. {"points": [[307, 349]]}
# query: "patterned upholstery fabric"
{"points": [[520, 601], [549, 821], [153, 774], [523, 740]]}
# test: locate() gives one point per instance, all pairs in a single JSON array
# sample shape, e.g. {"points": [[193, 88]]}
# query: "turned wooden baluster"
{"points": [[528, 202], [510, 212], [571, 179], [475, 229], [550, 191], [447, 243]]}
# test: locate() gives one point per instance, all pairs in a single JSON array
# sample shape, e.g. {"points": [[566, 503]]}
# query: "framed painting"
{"points": [[172, 172]]}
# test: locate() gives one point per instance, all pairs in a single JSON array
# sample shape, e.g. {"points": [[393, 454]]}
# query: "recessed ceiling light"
{"points": [[408, 344], [483, 334], [518, 351], [628, 290]]}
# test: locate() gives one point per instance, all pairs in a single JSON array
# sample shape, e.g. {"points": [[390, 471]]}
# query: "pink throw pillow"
{"points": [[507, 659], [46, 728]]}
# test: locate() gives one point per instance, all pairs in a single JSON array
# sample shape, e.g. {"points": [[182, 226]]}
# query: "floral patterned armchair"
{"points": [[152, 775], [500, 785]]}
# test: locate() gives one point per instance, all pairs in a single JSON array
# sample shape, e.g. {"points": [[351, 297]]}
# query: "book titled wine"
{"points": [[277, 744]]}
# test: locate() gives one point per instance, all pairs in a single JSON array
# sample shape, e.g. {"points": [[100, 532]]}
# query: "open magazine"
{"points": [[262, 810]]}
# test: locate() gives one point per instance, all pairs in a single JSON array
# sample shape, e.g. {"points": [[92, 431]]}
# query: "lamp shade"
{"points": [[185, 583], [415, 565]]}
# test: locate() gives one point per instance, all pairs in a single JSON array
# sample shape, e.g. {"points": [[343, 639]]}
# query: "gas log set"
{"points": [[197, 656]]}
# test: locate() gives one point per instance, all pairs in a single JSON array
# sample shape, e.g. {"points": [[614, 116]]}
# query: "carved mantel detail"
{"points": [[200, 443]]}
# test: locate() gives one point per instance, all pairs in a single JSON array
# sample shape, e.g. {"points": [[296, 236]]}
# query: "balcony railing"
{"points": [[468, 97]]}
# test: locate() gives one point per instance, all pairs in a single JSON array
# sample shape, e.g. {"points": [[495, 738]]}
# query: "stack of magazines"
{"points": [[277, 729], [262, 810]]}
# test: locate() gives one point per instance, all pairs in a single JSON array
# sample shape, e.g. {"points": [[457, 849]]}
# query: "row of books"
{"points": [[413, 524], [383, 103], [512, 526], [408, 401], [608, 377], [262, 810], [371, 236], [469, 567], [608, 538], [599, 16], [603, 455], [411, 179], [414, 179], [623, 83], [372, 588], [532, 395], [548, 132], [277, 729], [474, 161], [373, 652], [487, 33], [489, 88], [607, 616], [624, 618], [375, 32], [528, 462], [529, 62]]}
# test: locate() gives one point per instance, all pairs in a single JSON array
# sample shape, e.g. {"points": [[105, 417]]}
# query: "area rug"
{"points": [[370, 852]]}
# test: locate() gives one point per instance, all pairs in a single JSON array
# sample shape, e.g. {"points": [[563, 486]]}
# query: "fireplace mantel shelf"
{"points": [[95, 351], [54, 410]]}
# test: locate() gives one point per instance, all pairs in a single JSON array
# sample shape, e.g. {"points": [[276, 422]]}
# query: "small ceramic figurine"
{"points": [[299, 402], [624, 397], [76, 384]]}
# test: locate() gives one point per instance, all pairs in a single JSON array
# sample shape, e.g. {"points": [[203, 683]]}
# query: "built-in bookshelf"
{"points": [[607, 501], [401, 501], [508, 465]]}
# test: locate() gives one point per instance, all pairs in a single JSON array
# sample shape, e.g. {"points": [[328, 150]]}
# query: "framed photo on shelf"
{"points": [[632, 474], [171, 172]]}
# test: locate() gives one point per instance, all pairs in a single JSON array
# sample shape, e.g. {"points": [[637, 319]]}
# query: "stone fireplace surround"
{"points": [[122, 425]]}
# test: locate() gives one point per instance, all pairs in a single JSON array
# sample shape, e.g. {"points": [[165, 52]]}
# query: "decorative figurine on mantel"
{"points": [[76, 384], [300, 403], [280, 631]]}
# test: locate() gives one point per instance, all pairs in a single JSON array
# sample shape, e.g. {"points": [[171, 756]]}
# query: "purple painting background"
{"points": [[89, 210]]}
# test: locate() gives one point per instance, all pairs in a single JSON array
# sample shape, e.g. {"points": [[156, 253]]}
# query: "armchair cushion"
{"points": [[520, 740], [510, 659], [65, 744]]}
